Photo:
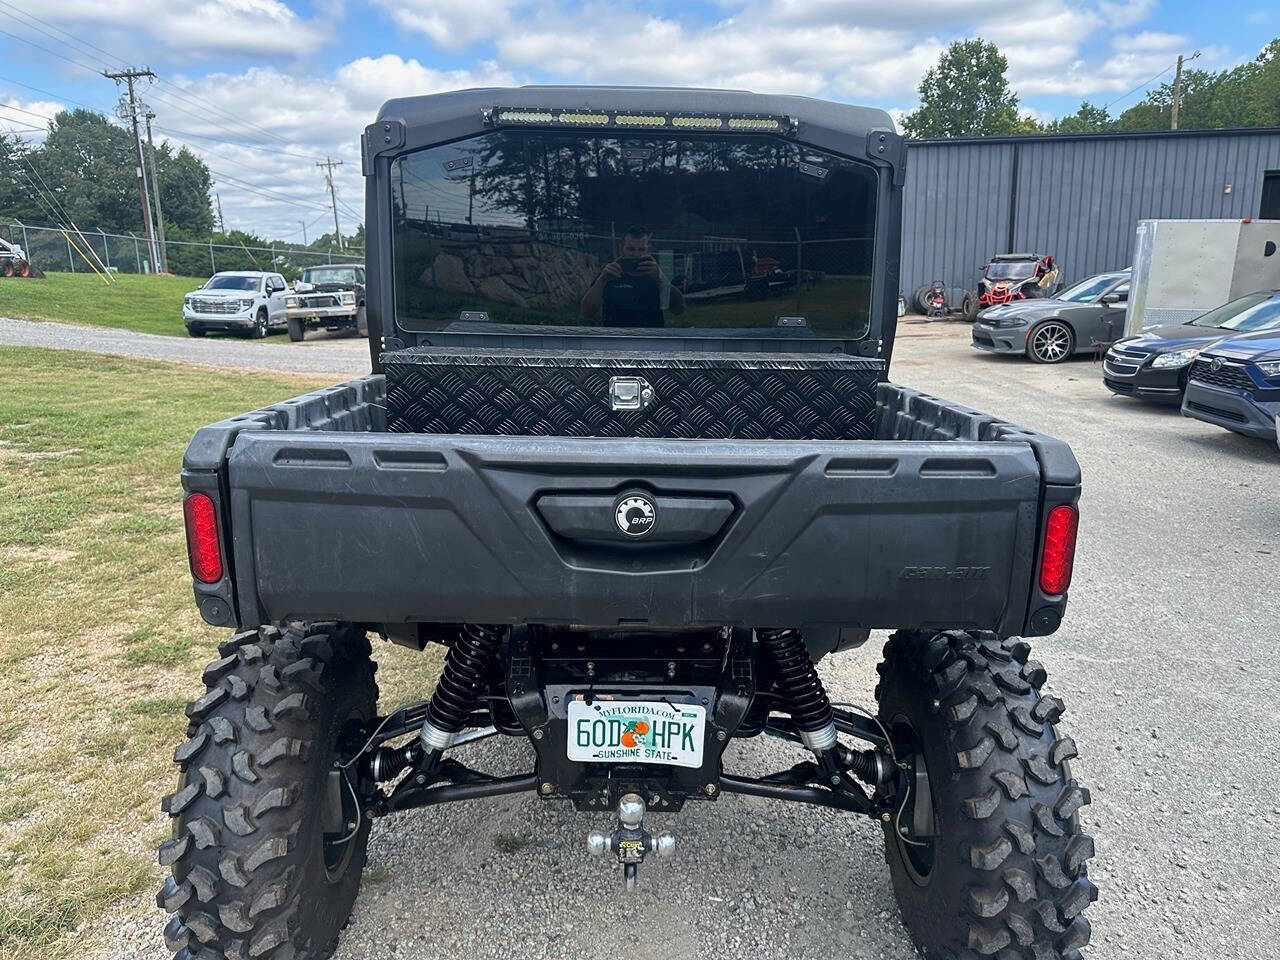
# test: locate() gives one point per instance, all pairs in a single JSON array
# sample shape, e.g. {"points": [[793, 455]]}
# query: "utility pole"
{"points": [[1177, 91], [304, 232], [333, 197], [130, 112], [155, 188]]}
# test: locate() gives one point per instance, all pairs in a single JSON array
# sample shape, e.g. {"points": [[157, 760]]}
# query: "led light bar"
{"points": [[525, 116], [505, 116], [638, 120]]}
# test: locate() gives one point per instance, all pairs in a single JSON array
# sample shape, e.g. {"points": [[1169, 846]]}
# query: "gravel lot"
{"points": [[322, 352], [1165, 661]]}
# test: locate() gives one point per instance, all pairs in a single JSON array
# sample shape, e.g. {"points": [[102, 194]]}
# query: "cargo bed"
{"points": [[934, 522]]}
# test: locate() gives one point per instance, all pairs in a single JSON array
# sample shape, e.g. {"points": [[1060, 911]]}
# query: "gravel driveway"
{"points": [[323, 353], [1166, 661]]}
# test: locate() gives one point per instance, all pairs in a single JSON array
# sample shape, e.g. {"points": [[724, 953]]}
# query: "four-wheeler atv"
{"points": [[636, 522], [1013, 276]]}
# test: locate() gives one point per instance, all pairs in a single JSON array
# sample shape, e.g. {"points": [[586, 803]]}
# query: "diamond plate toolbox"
{"points": [[570, 393]]}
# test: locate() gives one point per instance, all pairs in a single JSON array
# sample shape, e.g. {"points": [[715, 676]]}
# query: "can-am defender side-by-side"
{"points": [[636, 517]]}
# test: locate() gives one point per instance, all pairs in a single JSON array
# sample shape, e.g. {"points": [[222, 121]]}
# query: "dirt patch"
{"points": [[37, 554]]}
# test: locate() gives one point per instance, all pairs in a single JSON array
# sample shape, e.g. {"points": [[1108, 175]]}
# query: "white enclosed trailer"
{"points": [[1182, 268]]}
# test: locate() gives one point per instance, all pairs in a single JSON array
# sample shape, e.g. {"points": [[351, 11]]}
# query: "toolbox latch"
{"points": [[629, 393]]}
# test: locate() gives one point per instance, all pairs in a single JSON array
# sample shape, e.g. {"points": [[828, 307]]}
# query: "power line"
{"points": [[267, 192], [50, 93], [52, 53], [1145, 83], [235, 143], [31, 16]]}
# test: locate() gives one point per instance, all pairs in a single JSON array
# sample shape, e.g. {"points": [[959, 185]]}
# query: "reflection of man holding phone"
{"points": [[629, 289]]}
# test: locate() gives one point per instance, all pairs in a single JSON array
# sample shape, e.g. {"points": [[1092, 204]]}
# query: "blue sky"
{"points": [[263, 88]]}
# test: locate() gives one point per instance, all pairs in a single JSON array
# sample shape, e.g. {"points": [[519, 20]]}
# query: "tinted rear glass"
{"points": [[613, 233]]}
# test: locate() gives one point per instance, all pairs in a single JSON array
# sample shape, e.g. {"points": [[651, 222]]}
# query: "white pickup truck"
{"points": [[249, 302], [329, 296]]}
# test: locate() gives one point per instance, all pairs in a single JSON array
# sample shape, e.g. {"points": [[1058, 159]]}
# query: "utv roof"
{"points": [[1017, 256], [409, 123]]}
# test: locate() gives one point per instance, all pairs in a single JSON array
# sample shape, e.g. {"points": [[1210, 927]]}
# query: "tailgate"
{"points": [[386, 528]]}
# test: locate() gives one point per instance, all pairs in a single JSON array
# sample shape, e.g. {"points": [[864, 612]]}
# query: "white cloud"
{"points": [[185, 30], [27, 118], [309, 118], [452, 25]]}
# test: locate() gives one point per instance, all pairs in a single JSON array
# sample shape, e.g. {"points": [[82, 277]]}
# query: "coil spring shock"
{"points": [[466, 666], [800, 687]]}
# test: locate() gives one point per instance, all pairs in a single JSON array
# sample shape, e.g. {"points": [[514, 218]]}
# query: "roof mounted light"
{"points": [[636, 120], [525, 116]]}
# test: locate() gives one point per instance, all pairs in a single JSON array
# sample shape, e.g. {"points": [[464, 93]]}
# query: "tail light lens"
{"points": [[202, 537], [1059, 549]]}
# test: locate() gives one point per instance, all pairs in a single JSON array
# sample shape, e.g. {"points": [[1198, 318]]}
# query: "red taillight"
{"points": [[202, 538], [1059, 549]]}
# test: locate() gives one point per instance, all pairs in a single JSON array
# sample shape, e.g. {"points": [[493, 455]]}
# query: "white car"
{"points": [[246, 301]]}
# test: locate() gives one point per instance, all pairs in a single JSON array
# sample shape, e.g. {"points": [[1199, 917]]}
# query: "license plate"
{"points": [[636, 731]]}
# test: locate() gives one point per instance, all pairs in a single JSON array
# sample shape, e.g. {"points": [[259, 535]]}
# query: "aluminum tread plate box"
{"points": [[695, 396]]}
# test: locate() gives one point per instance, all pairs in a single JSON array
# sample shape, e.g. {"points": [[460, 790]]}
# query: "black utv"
{"points": [[636, 518]]}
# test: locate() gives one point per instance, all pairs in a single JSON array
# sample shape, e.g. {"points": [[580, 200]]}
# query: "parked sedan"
{"points": [[1154, 365], [1051, 330], [1235, 383]]}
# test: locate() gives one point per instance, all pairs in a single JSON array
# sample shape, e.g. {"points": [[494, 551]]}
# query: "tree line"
{"points": [[85, 171], [967, 94]]}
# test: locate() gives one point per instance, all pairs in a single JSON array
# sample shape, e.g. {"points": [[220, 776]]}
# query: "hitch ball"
{"points": [[664, 846]]}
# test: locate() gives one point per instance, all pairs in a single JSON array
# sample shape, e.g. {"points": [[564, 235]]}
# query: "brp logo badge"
{"points": [[635, 515]]}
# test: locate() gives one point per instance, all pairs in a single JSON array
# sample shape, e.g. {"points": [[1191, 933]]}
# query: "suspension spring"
{"points": [[466, 667], [800, 688]]}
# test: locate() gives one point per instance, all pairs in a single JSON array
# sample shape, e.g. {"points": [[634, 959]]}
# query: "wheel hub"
{"points": [[913, 822]]}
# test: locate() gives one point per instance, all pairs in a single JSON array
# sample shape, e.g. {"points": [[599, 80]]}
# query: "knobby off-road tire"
{"points": [[297, 329], [1008, 875], [250, 877]]}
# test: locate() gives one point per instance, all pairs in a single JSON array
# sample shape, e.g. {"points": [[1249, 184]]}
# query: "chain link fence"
{"points": [[51, 249]]}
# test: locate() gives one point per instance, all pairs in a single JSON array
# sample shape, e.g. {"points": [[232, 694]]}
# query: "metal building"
{"points": [[1078, 198]]}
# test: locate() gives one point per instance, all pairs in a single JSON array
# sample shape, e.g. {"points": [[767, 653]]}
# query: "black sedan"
{"points": [[1051, 330], [1154, 364]]}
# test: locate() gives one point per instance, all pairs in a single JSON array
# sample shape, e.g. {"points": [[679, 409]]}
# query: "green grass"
{"points": [[100, 644], [146, 303]]}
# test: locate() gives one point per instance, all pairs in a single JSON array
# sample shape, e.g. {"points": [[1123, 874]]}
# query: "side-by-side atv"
{"points": [[636, 521], [1013, 276]]}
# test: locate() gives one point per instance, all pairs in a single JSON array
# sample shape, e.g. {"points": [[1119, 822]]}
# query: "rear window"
{"points": [[609, 233]]}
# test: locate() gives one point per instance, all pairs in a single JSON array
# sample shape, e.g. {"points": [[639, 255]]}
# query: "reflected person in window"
{"points": [[628, 291]]}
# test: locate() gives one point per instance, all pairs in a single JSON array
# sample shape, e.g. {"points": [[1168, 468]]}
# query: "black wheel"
{"points": [[1050, 341], [265, 863], [297, 329], [260, 324], [362, 323], [999, 867], [918, 302], [7, 268], [196, 331], [970, 306]]}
